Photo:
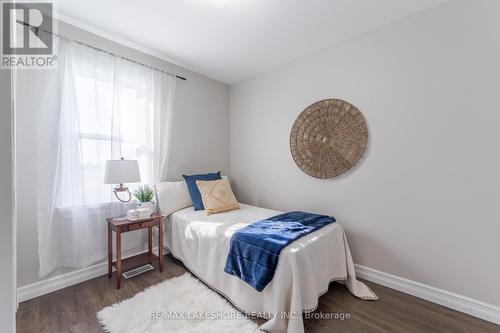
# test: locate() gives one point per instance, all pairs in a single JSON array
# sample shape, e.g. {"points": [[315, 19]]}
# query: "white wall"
{"points": [[200, 138], [7, 282], [425, 202]]}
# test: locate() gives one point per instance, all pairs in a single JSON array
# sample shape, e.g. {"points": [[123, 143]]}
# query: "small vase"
{"points": [[149, 205]]}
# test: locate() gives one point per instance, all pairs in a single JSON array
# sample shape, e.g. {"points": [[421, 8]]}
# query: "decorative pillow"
{"points": [[172, 196], [193, 189], [217, 195]]}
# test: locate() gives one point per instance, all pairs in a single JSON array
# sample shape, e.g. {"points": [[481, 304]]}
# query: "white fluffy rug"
{"points": [[181, 304]]}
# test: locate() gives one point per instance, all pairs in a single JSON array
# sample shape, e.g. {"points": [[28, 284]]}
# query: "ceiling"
{"points": [[231, 40]]}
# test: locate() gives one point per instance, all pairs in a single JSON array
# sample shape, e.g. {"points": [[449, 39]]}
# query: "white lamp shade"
{"points": [[122, 171]]}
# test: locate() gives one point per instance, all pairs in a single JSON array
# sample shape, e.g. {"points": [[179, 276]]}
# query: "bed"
{"points": [[305, 268]]}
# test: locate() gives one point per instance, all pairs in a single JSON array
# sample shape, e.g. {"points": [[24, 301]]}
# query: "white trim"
{"points": [[52, 284], [448, 299], [49, 285], [13, 92], [13, 293]]}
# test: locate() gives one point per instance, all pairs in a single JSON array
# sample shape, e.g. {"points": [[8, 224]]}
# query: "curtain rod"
{"points": [[37, 29]]}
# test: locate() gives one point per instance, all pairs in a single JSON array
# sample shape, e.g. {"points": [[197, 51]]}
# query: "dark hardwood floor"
{"points": [[73, 309]]}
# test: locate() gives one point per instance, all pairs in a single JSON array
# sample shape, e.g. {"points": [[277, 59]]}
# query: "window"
{"points": [[110, 119], [95, 107], [114, 108]]}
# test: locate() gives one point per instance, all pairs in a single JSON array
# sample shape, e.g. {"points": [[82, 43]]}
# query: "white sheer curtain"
{"points": [[95, 107]]}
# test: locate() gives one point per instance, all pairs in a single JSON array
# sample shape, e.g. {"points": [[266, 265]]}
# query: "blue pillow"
{"points": [[194, 192]]}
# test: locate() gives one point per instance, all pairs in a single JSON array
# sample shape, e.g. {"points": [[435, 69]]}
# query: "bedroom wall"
{"points": [[424, 203], [200, 138], [7, 273]]}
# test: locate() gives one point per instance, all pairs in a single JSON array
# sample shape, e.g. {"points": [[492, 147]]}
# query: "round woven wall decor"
{"points": [[328, 138]]}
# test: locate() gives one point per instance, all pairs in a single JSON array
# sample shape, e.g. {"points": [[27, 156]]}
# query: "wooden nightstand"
{"points": [[121, 225]]}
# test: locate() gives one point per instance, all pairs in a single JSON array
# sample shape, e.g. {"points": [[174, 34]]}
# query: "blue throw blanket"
{"points": [[254, 250]]}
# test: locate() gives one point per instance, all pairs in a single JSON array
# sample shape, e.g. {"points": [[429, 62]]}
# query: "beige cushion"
{"points": [[172, 196], [217, 195]]}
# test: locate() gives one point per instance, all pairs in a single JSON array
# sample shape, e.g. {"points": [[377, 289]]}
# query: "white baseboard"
{"points": [[451, 300], [49, 285], [448, 299], [52, 284]]}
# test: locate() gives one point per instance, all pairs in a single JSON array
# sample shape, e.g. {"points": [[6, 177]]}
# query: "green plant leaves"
{"points": [[144, 193]]}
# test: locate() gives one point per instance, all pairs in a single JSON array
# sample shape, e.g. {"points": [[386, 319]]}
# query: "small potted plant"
{"points": [[146, 194]]}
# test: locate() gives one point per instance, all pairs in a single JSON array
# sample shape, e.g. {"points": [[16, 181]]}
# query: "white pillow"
{"points": [[172, 196]]}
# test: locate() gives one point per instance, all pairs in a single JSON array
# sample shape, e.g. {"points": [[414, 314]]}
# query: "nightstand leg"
{"points": [[150, 241], [110, 250], [118, 257], [160, 244]]}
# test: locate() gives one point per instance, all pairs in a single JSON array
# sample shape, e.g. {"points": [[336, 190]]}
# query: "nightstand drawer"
{"points": [[141, 225]]}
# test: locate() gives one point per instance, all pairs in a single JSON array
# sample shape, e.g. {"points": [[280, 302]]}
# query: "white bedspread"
{"points": [[305, 268]]}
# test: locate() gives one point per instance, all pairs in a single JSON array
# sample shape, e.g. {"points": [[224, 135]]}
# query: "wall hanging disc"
{"points": [[328, 138]]}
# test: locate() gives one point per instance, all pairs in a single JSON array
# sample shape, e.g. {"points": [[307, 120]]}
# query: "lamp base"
{"points": [[122, 188]]}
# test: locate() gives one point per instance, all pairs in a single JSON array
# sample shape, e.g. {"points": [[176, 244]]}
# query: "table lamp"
{"points": [[119, 172]]}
